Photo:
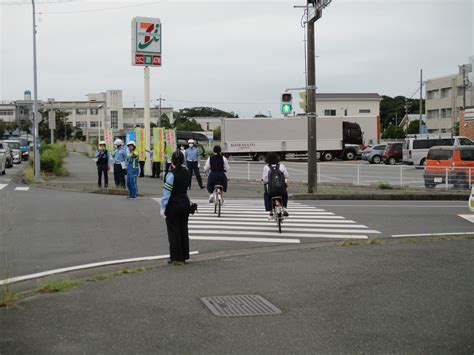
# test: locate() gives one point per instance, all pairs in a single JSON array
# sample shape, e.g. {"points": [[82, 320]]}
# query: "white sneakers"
{"points": [[211, 198]]}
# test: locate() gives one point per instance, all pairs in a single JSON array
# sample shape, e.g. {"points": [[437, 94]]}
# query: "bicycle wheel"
{"points": [[215, 206], [278, 217], [219, 207]]}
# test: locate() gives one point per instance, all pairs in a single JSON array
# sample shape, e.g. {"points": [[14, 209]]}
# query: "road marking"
{"points": [[21, 188], [272, 224], [5, 180], [262, 212], [394, 205], [430, 234], [250, 230], [83, 267], [244, 239], [284, 234], [261, 209], [467, 217], [325, 219], [2, 186]]}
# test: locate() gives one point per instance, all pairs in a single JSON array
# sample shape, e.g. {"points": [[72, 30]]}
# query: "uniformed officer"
{"points": [[192, 162], [132, 170]]}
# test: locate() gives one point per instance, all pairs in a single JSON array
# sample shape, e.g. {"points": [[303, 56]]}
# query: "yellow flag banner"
{"points": [[170, 141], [158, 144], [140, 142]]}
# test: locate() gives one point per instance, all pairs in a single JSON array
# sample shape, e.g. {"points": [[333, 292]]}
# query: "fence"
{"points": [[361, 174]]}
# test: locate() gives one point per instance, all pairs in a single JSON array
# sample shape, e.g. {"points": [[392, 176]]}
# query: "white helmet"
{"points": [[131, 143], [102, 143], [118, 141], [191, 141]]}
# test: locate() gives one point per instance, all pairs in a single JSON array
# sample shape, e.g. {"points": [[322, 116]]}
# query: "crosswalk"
{"points": [[246, 221], [4, 183]]}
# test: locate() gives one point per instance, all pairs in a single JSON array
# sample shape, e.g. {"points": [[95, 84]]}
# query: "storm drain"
{"points": [[240, 306]]}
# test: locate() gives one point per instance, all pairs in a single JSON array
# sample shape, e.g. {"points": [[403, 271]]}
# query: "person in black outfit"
{"points": [[216, 167], [175, 208], [103, 158]]}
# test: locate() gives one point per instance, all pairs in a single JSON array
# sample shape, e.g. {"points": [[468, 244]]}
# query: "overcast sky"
{"points": [[235, 55]]}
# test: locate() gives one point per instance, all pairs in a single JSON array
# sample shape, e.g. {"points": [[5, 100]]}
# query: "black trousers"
{"points": [[102, 169], [119, 176], [142, 168], [193, 169], [155, 169], [177, 226]]}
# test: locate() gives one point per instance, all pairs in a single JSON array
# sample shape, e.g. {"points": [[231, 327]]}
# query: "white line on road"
{"points": [[395, 205], [5, 180], [250, 230], [467, 217], [244, 239], [430, 234], [193, 222], [2, 186], [21, 188], [292, 218], [298, 214], [262, 209], [283, 234], [83, 267]]}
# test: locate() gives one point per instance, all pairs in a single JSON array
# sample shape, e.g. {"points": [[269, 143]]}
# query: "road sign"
{"points": [[146, 41], [52, 119], [315, 8]]}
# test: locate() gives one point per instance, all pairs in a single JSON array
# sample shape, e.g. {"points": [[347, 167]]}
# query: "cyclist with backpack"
{"points": [[275, 178]]}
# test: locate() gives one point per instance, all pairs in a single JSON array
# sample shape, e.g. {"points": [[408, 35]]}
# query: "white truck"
{"points": [[255, 137]]}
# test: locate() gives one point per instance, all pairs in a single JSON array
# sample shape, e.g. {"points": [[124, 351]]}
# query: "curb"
{"points": [[395, 197]]}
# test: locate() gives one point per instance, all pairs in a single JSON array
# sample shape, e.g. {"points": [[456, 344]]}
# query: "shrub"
{"points": [[52, 156]]}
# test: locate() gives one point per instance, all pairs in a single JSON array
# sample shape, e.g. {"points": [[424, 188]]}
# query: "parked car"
{"points": [[5, 149], [374, 154], [393, 153], [16, 149], [416, 148], [3, 163], [453, 163]]}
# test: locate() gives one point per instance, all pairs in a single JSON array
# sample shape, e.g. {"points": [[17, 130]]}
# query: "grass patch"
{"points": [[116, 274], [52, 286], [385, 186], [7, 296], [374, 241], [452, 237], [349, 242]]}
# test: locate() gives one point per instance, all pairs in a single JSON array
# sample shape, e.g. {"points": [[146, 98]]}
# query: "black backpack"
{"points": [[276, 181]]}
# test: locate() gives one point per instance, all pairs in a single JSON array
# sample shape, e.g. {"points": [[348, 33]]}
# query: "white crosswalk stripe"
{"points": [[2, 186], [246, 221]]}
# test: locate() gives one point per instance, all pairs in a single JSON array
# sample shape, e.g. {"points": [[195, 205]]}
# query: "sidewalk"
{"points": [[396, 297], [83, 177]]}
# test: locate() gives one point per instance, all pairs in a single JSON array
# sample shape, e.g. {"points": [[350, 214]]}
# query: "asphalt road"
{"points": [[402, 297], [44, 229]]}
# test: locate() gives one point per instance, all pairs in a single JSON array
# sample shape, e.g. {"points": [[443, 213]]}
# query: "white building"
{"points": [[348, 104], [209, 123]]}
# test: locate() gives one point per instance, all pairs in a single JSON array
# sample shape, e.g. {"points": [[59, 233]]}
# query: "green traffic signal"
{"points": [[286, 108]]}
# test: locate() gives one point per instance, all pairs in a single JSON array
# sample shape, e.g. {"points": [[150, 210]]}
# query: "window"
{"points": [[440, 154], [94, 124], [128, 126], [432, 94], [460, 90], [345, 112], [94, 111], [81, 124], [114, 119], [379, 147], [465, 141], [445, 93], [364, 110], [81, 111], [6, 112], [467, 154], [329, 112], [433, 114]]}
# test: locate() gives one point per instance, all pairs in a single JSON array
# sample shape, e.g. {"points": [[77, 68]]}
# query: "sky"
{"points": [[234, 55]]}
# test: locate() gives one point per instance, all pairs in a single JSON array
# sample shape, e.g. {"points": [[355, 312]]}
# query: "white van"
{"points": [[416, 148]]}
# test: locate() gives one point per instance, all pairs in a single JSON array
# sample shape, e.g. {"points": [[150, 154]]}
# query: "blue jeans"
{"points": [[132, 185]]}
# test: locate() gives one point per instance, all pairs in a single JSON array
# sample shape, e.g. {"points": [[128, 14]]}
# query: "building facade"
{"points": [[445, 96], [348, 104]]}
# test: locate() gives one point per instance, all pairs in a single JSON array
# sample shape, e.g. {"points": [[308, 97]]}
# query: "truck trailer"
{"points": [[255, 137]]}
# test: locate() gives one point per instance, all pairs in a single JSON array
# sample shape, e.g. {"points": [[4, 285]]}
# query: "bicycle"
{"points": [[218, 199], [277, 210]]}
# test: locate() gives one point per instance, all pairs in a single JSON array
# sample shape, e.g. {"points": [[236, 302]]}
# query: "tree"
{"points": [[189, 125], [217, 133], [165, 121], [63, 131], [259, 115], [395, 107], [393, 132], [456, 129], [414, 127]]}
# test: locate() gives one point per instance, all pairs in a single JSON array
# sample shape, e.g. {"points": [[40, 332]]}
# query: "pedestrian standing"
{"points": [[155, 167], [142, 168], [192, 162], [175, 206], [103, 158], [120, 160], [132, 171]]}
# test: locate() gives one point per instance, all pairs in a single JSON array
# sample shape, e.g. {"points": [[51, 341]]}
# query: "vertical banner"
{"points": [[109, 139], [140, 142], [170, 135], [129, 136], [159, 144]]}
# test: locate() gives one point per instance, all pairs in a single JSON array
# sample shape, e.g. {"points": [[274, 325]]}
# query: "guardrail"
{"points": [[360, 174]]}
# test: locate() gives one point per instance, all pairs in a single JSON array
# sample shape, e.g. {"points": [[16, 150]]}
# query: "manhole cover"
{"points": [[240, 305]]}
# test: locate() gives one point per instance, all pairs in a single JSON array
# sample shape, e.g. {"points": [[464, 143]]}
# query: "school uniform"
{"points": [[266, 196], [216, 166], [175, 204]]}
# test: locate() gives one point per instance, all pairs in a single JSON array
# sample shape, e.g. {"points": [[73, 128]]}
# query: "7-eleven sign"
{"points": [[146, 41]]}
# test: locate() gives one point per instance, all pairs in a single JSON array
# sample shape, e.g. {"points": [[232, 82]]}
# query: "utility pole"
{"points": [[464, 86], [133, 113], [159, 111], [314, 10], [421, 102], [35, 102]]}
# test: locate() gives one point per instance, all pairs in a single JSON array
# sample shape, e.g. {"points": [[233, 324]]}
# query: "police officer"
{"points": [[103, 157], [132, 171], [120, 160], [175, 208], [192, 162]]}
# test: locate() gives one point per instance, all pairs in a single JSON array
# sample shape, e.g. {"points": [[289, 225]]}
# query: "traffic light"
{"points": [[286, 106]]}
